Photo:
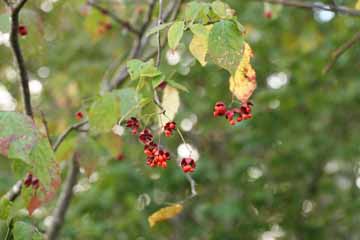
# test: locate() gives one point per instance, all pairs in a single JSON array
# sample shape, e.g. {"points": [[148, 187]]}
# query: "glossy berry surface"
{"points": [[219, 109], [146, 137], [188, 164], [168, 128], [22, 30]]}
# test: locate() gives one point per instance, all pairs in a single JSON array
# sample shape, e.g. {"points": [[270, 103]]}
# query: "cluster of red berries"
{"points": [[30, 180], [134, 124], [241, 113], [168, 128], [155, 156], [22, 30], [188, 164]]}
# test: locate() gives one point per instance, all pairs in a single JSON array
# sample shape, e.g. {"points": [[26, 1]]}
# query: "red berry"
{"points": [[35, 183], [79, 116], [162, 85], [188, 164], [22, 30], [134, 124], [28, 180], [268, 14], [168, 128], [219, 109], [146, 137], [120, 157]]}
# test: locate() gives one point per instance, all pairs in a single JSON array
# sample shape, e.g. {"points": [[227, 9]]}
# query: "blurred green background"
{"points": [[292, 172]]}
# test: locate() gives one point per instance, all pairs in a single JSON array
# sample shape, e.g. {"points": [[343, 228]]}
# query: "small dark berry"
{"points": [[22, 30]]}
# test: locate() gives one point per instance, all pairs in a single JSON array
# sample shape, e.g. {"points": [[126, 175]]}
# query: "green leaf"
{"points": [[42, 157], [137, 69], [158, 28], [199, 30], [196, 11], [177, 85], [225, 45], [219, 8], [25, 231], [20, 168], [104, 113], [18, 135], [5, 206], [175, 34], [128, 99]]}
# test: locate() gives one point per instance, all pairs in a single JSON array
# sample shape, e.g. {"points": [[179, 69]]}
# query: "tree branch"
{"points": [[309, 5], [158, 58], [170, 12], [64, 200], [340, 51], [67, 132], [112, 15], [15, 46]]}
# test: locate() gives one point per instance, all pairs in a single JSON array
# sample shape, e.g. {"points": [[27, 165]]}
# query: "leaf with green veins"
{"points": [[149, 70], [225, 45], [18, 135], [238, 24], [5, 207], [158, 28], [25, 231], [20, 168], [104, 113], [128, 99], [175, 34]]}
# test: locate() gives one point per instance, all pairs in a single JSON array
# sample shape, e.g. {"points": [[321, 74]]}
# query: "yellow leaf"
{"points": [[357, 6], [199, 46], [243, 84], [165, 214], [170, 103]]}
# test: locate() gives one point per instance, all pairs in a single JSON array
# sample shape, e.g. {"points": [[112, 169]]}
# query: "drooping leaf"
{"points": [[157, 28], [175, 34], [164, 214], [243, 83], [170, 103], [104, 113], [199, 43], [177, 85], [18, 135], [225, 45], [25, 231]]}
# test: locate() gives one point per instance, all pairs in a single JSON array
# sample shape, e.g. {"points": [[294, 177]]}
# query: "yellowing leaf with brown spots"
{"points": [[170, 103], [243, 84], [165, 214]]}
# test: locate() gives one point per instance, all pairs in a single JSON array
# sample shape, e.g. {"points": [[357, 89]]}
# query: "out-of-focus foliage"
{"points": [[291, 172]]}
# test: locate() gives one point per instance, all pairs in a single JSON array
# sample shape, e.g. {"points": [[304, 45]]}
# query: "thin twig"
{"points": [[340, 51], [311, 5], [67, 132], [158, 35], [15, 46], [45, 123], [112, 15], [63, 203]]}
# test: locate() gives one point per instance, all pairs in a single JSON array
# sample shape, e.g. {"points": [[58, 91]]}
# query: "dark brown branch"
{"points": [[15, 46], [310, 5], [158, 58], [64, 200], [340, 51], [112, 15]]}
